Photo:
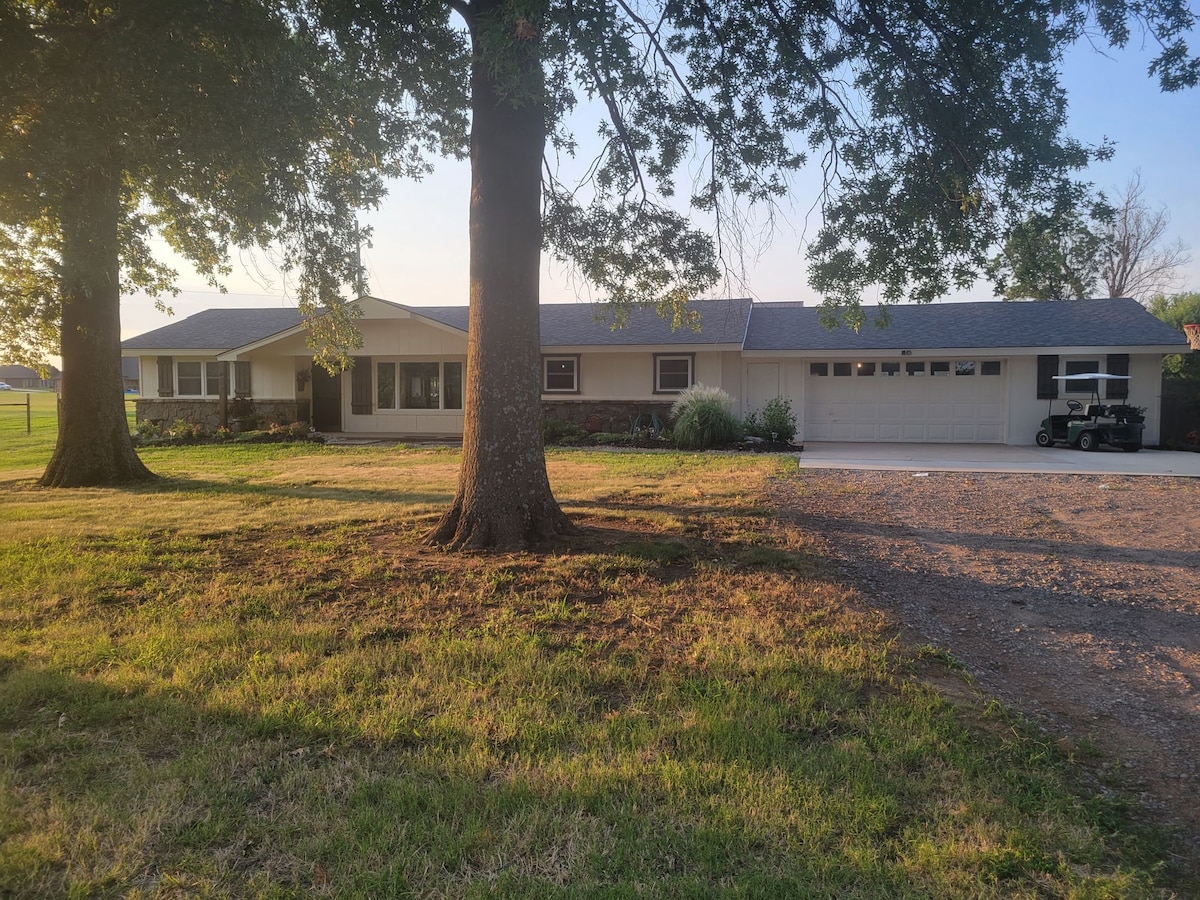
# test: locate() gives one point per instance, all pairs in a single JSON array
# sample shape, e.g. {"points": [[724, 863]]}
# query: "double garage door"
{"points": [[952, 401]]}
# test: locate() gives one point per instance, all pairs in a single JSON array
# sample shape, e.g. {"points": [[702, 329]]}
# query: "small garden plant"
{"points": [[775, 422]]}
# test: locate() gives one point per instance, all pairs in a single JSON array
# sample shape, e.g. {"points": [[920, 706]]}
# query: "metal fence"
{"points": [[28, 411]]}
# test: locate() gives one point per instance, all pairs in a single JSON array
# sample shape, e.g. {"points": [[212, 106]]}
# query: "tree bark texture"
{"points": [[504, 499], [94, 446]]}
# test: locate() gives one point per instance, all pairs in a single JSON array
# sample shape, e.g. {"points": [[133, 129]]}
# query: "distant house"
{"points": [[21, 378], [954, 372]]}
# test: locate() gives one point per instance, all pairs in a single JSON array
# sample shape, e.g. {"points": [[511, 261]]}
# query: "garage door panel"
{"points": [[965, 409]]}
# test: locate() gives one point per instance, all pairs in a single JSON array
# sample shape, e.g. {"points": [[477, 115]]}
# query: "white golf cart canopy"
{"points": [[1091, 376]]}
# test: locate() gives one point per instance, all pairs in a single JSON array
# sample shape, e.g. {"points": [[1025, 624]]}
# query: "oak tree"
{"points": [[935, 125], [208, 124]]}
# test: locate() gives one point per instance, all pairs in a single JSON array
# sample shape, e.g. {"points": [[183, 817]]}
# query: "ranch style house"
{"points": [[949, 372]]}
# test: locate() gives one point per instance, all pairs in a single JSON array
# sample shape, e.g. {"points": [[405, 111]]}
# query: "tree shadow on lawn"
{"points": [[982, 541], [113, 788], [251, 488]]}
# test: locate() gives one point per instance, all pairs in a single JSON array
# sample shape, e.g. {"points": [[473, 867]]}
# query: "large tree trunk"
{"points": [[504, 499], [94, 447]]}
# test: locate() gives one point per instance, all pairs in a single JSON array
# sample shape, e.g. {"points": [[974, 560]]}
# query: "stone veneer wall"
{"points": [[610, 415], [208, 412]]}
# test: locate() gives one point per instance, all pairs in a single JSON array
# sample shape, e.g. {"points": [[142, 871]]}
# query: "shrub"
{"points": [[146, 430], [776, 418], [703, 418], [556, 431], [186, 432]]}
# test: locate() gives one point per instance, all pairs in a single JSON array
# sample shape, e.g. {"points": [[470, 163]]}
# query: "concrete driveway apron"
{"points": [[997, 458]]}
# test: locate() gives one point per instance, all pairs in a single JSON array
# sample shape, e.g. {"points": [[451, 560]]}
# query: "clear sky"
{"points": [[419, 252]]}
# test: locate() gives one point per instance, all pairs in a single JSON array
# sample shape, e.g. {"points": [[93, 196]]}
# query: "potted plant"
{"points": [[241, 415]]}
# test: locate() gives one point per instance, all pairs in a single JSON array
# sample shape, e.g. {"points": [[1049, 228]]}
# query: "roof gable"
{"points": [[217, 329]]}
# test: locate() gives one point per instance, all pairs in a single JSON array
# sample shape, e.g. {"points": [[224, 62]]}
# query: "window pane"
{"points": [[189, 379], [386, 389], [453, 389], [1078, 367], [964, 367], [819, 369], [866, 368], [841, 369], [212, 379], [674, 373], [420, 386], [889, 368], [560, 374], [992, 367], [939, 368], [914, 368]]}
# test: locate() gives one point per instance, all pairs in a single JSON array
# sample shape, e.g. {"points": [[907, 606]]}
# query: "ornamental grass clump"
{"points": [[703, 418]]}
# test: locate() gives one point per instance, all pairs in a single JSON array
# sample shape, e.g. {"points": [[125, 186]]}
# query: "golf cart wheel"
{"points": [[1043, 439], [1087, 441]]}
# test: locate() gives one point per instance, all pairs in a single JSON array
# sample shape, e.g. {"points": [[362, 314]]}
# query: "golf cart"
{"points": [[1118, 424]]}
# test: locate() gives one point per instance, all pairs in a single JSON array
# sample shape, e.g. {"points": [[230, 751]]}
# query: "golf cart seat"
{"points": [[1095, 410]]}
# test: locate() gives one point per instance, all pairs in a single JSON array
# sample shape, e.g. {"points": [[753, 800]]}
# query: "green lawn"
{"points": [[252, 680]]}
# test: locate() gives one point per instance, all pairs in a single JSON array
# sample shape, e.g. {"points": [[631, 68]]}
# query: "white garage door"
{"points": [[952, 401]]}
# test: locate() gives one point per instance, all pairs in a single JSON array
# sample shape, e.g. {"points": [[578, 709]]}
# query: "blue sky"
{"points": [[419, 252]]}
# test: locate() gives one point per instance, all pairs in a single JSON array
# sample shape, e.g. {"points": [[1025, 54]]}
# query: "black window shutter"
{"points": [[1118, 364], [241, 378], [166, 377], [360, 386], [1047, 387]]}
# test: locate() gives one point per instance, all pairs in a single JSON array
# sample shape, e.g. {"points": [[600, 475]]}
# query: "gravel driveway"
{"points": [[1076, 599]]}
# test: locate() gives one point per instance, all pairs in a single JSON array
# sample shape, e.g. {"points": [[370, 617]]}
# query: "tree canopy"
{"points": [[207, 125], [1120, 249]]}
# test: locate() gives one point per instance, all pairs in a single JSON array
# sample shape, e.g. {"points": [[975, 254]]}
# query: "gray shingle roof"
{"points": [[589, 324], [216, 329], [25, 372], [1064, 323], [772, 326]]}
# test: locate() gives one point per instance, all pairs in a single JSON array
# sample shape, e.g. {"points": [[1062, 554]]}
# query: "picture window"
{"points": [[385, 391]]}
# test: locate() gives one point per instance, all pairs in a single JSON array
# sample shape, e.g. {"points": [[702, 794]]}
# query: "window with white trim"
{"points": [[1080, 367], [189, 379], [560, 374], [673, 374]]}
